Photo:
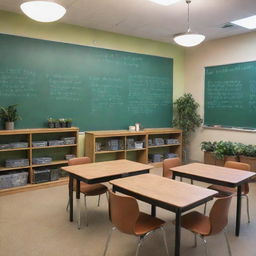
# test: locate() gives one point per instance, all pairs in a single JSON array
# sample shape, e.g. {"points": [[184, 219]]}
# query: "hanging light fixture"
{"points": [[188, 39], [43, 11]]}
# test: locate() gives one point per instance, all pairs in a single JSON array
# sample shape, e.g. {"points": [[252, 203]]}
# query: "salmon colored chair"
{"points": [[169, 163], [86, 189], [233, 191], [126, 217], [205, 226]]}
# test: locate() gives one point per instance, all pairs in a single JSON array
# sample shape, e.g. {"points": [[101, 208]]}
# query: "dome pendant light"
{"points": [[43, 11], [188, 39]]}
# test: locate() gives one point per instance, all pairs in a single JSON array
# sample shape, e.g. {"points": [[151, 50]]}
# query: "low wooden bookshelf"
{"points": [[29, 135]]}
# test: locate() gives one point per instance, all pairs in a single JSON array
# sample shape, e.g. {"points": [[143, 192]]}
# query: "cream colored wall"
{"points": [[16, 24], [216, 52]]}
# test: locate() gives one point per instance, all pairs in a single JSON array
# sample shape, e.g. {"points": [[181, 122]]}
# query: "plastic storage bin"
{"points": [[13, 179], [19, 145], [37, 144], [41, 160], [69, 140], [54, 174], [41, 175], [55, 142], [12, 163]]}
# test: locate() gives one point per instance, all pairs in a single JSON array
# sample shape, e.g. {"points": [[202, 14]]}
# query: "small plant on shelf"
{"points": [[69, 122], [62, 122], [50, 122], [9, 115]]}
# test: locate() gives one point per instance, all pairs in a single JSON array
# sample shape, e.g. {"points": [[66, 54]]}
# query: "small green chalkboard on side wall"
{"points": [[230, 95], [98, 88]]}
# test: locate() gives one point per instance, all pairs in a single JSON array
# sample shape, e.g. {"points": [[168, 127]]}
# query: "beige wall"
{"points": [[216, 52]]}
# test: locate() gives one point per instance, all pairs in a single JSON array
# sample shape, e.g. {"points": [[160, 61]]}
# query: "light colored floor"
{"points": [[35, 223]]}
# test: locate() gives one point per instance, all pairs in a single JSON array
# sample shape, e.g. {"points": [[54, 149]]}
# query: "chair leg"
{"points": [[191, 182], [181, 179], [205, 205], [228, 245], [67, 207], [107, 196], [195, 237], [165, 241], [141, 239], [99, 201], [78, 209], [248, 208], [108, 240], [205, 245], [86, 211]]}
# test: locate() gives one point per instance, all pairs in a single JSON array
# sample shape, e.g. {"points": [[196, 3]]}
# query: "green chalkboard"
{"points": [[97, 88], [230, 95]]}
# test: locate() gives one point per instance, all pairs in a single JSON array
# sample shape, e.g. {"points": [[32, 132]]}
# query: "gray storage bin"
{"points": [[41, 160], [19, 145], [156, 158], [41, 175], [69, 156], [55, 142], [11, 163], [13, 179], [170, 155], [54, 174], [4, 146], [138, 144], [113, 144], [37, 144], [158, 141], [69, 140], [171, 141], [130, 143]]}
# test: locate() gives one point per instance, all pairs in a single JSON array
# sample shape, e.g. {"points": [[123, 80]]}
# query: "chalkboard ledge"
{"points": [[234, 129]]}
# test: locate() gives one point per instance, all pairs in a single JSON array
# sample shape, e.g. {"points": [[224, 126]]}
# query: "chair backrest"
{"points": [[124, 212], [79, 160], [239, 166], [169, 163], [219, 214]]}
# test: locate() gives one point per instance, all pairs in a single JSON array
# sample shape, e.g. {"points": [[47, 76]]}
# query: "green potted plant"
{"points": [[248, 156], [9, 115], [224, 151], [208, 147], [69, 122], [186, 118], [50, 122], [62, 122]]}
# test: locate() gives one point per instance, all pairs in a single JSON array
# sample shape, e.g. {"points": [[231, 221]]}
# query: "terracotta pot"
{"points": [[221, 162], [9, 125]]}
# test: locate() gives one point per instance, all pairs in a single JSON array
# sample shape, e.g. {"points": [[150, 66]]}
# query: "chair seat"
{"points": [[92, 189], [223, 191], [146, 223], [196, 222]]}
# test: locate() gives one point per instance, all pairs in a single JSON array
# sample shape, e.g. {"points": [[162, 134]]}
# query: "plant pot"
{"points": [[68, 124], [62, 124], [57, 125], [209, 158], [9, 125], [251, 161], [51, 125], [221, 162]]}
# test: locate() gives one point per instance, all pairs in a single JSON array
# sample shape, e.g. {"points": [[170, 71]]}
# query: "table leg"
{"points": [[173, 176], [238, 210], [70, 198], [177, 233], [153, 210]]}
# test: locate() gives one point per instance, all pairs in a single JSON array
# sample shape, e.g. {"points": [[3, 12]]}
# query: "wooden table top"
{"points": [[214, 172], [178, 194], [105, 169]]}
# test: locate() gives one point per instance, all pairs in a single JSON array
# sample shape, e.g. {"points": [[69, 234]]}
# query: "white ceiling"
{"points": [[142, 18]]}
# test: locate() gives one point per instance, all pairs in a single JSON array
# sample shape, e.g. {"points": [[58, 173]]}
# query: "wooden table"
{"points": [[101, 172], [216, 175], [169, 194]]}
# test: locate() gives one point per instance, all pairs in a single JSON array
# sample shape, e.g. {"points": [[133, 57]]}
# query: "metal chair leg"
{"points": [[86, 211], [99, 201], [248, 208], [108, 240], [67, 207], [195, 237], [205, 205], [138, 246], [78, 209], [228, 245], [205, 245], [165, 241]]}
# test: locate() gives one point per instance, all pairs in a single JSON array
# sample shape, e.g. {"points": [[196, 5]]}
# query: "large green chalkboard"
{"points": [[230, 95], [97, 88]]}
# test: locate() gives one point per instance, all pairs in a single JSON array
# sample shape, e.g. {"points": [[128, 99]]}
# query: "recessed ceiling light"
{"points": [[43, 11], [165, 2], [249, 22]]}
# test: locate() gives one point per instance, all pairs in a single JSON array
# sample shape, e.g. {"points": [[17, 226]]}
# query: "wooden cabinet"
{"points": [[118, 144], [28, 136]]}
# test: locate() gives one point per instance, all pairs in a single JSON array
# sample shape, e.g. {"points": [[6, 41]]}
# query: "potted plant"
{"points": [[69, 122], [248, 156], [224, 151], [62, 122], [50, 122], [56, 123], [208, 148], [186, 118], [9, 115]]}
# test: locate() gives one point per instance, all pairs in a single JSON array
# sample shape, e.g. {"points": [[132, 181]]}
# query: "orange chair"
{"points": [[125, 216], [169, 163], [86, 189], [223, 191], [205, 226]]}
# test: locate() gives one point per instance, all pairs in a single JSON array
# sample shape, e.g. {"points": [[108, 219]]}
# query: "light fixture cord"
{"points": [[188, 2]]}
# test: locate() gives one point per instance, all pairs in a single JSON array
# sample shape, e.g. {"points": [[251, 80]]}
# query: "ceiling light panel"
{"points": [[249, 22], [165, 2]]}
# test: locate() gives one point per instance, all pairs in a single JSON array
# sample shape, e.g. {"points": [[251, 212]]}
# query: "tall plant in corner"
{"points": [[186, 117]]}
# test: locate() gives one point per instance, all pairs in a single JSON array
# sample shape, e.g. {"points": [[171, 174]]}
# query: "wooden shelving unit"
{"points": [[140, 154], [29, 135]]}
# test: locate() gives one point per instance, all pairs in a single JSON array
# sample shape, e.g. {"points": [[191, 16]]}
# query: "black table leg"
{"points": [[177, 233], [70, 198], [238, 210], [173, 176], [153, 211], [77, 189]]}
